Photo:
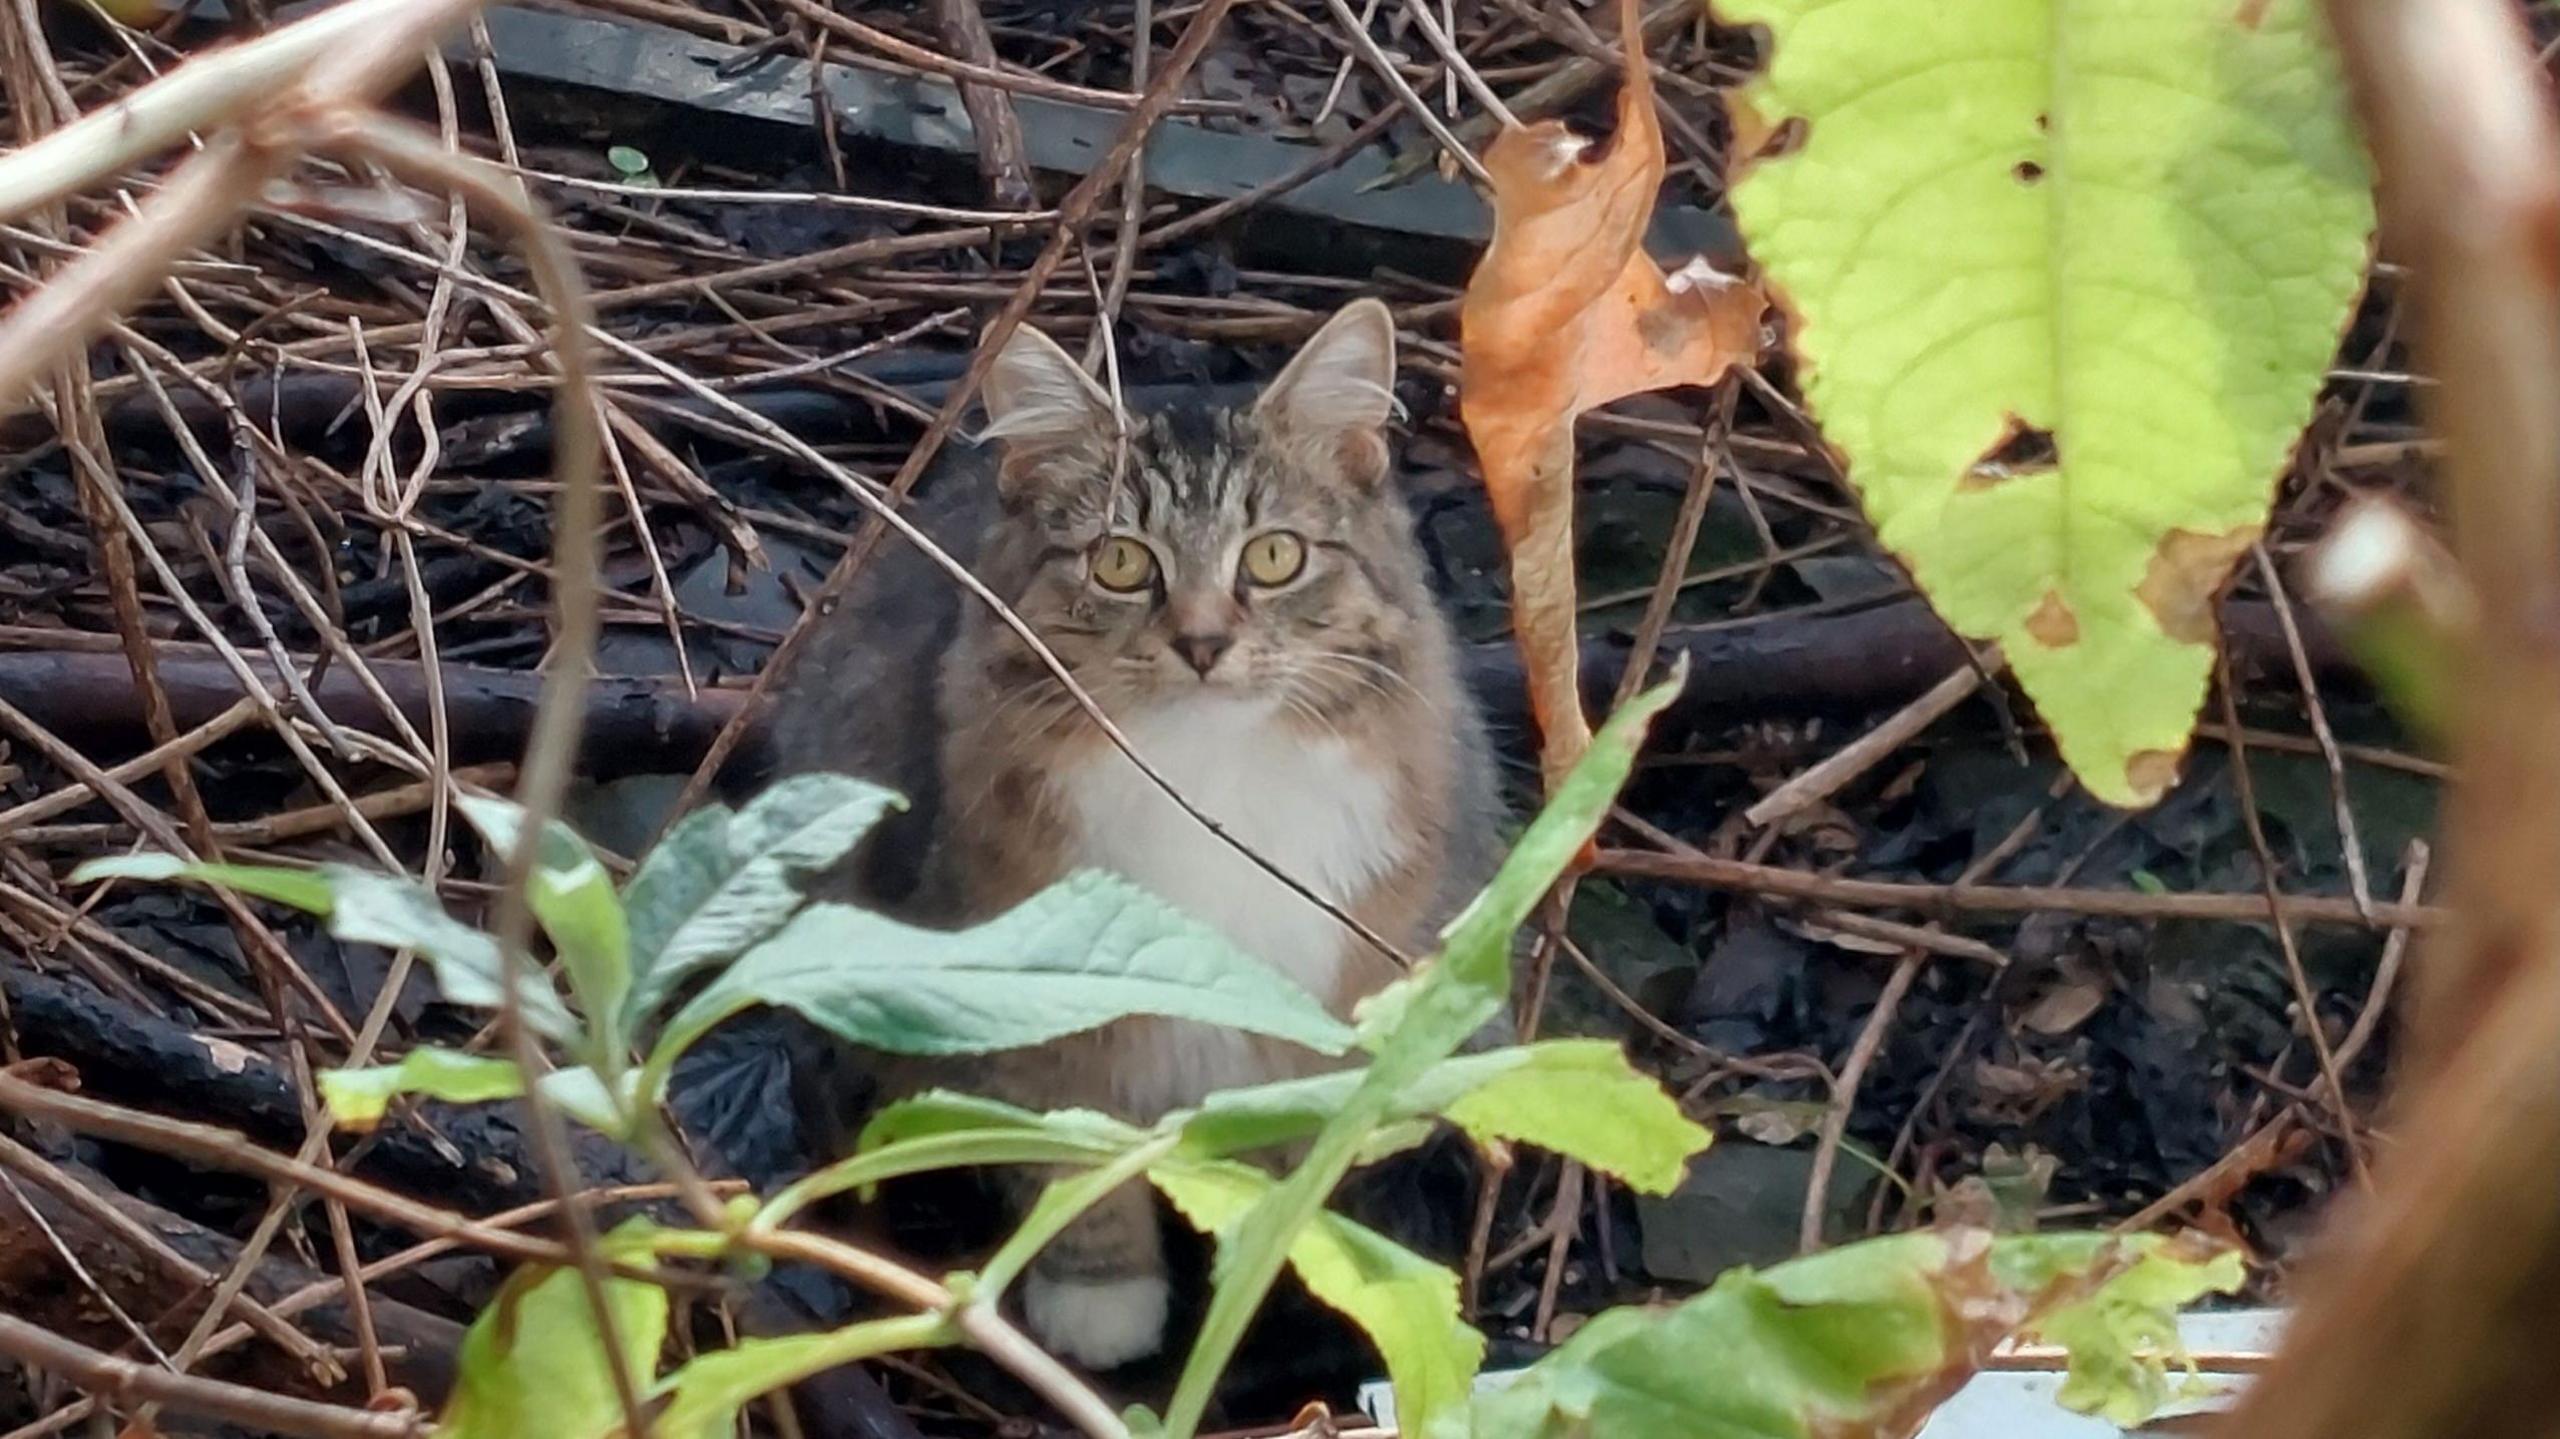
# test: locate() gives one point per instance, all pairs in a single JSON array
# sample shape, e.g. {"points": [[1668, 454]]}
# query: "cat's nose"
{"points": [[1201, 651]]}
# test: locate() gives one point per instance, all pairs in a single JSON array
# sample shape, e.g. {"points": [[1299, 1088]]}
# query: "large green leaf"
{"points": [[570, 893], [1407, 1305], [2133, 226], [1087, 950], [1865, 1339], [718, 882], [534, 1364]]}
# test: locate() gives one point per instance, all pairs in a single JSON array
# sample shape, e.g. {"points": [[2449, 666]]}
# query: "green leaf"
{"points": [[1411, 1027], [943, 1131], [718, 883], [627, 160], [534, 1362], [940, 1111], [373, 908], [1087, 950], [1866, 1338], [303, 889], [570, 893], [2124, 1337], [1407, 1305], [368, 908], [358, 1098], [709, 1390], [583, 1095], [1578, 1097], [2136, 229], [1062, 1201]]}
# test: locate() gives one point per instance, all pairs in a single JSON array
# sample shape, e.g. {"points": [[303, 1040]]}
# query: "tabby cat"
{"points": [[1238, 587]]}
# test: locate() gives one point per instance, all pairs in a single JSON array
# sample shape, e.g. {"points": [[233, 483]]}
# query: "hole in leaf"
{"points": [[2028, 172], [2022, 450]]}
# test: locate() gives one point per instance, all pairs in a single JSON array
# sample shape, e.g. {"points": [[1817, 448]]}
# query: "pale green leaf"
{"points": [[583, 1095], [534, 1363], [1407, 1305], [570, 893], [2123, 1338], [1578, 1097], [373, 908], [369, 908], [710, 1389], [358, 1098], [1090, 949], [718, 883], [1860, 1339], [304, 889], [2136, 228], [941, 1131], [940, 1111]]}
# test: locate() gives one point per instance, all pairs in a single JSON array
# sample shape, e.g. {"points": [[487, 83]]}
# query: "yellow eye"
{"points": [[1122, 565], [1274, 558]]}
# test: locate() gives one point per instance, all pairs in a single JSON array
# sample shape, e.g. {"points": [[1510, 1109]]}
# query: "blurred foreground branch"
{"points": [[2432, 1313]]}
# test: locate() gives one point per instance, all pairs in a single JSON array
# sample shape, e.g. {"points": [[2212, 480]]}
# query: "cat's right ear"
{"points": [[1044, 410]]}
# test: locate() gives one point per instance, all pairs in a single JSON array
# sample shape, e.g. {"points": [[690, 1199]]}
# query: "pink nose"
{"points": [[1202, 651]]}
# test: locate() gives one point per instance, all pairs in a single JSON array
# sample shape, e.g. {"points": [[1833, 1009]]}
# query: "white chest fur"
{"points": [[1313, 807]]}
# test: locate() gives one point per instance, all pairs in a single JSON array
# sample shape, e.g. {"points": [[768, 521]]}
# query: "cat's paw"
{"points": [[1099, 1324]]}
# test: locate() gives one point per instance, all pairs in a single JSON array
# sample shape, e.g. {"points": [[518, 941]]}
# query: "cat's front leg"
{"points": [[1098, 1294]]}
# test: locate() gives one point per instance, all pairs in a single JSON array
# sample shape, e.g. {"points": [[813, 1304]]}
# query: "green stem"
{"points": [[1060, 1205], [923, 1154]]}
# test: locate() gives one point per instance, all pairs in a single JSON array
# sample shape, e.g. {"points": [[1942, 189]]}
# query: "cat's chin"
{"points": [[1218, 704]]}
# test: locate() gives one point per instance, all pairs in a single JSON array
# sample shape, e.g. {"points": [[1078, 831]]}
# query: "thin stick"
{"points": [[1459, 69], [2001, 899], [1835, 1118], [2386, 973], [551, 750], [1820, 781], [2304, 1000], [228, 1150], [1414, 104], [2350, 844], [123, 1380]]}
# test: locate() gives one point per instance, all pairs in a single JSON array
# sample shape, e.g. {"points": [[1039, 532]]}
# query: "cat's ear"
{"points": [[1043, 407], [1336, 395]]}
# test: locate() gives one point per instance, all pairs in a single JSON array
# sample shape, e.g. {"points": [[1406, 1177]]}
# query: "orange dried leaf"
{"points": [[1565, 312]]}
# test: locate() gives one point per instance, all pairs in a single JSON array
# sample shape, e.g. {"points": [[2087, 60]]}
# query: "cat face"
{"points": [[1254, 553]]}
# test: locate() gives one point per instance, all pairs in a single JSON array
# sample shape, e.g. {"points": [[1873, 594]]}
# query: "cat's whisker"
{"points": [[1362, 674], [1381, 669], [1304, 706]]}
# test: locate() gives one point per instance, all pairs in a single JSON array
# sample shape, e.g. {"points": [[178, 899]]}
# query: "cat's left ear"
{"points": [[1334, 399]]}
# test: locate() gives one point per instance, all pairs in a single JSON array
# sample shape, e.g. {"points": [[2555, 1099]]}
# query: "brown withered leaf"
{"points": [[1566, 312]]}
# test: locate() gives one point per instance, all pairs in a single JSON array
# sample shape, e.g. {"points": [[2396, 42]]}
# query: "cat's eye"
{"points": [[1123, 565], [1274, 557]]}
